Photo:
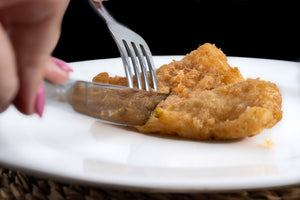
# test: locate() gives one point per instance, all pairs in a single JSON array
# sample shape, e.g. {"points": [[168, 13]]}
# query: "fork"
{"points": [[135, 53]]}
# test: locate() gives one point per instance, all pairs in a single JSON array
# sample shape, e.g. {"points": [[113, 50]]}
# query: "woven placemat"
{"points": [[16, 185]]}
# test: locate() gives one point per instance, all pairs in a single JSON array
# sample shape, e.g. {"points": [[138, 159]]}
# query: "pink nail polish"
{"points": [[40, 101], [62, 64]]}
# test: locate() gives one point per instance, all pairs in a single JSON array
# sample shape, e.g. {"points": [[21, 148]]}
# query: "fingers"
{"points": [[57, 71], [8, 72], [34, 32]]}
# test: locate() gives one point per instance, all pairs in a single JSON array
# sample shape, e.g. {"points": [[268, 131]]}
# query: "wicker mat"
{"points": [[16, 185]]}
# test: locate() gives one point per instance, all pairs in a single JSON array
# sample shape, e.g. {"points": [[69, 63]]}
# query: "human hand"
{"points": [[29, 32]]}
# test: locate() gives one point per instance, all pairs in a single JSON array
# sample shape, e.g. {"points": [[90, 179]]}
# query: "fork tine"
{"points": [[126, 64], [147, 53], [140, 56], [134, 61]]}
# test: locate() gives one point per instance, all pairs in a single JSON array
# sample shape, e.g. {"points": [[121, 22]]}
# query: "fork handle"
{"points": [[100, 9]]}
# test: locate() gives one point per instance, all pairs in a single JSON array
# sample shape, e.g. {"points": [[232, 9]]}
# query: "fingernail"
{"points": [[40, 101], [62, 64]]}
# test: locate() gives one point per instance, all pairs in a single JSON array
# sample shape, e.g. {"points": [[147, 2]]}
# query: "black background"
{"points": [[247, 28]]}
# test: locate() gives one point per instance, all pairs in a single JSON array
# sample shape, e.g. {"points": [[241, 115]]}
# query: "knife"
{"points": [[111, 103]]}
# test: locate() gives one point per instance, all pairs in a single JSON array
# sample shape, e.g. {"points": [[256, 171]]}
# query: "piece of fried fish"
{"points": [[209, 99]]}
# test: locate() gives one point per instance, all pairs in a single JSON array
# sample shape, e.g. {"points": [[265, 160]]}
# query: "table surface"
{"points": [[17, 185]]}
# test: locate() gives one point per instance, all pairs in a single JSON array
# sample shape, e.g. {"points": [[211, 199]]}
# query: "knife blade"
{"points": [[111, 103]]}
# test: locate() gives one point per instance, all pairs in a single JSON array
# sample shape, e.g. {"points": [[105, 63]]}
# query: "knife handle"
{"points": [[59, 92]]}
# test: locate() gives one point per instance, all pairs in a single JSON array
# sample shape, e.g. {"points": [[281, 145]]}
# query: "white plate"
{"points": [[72, 147]]}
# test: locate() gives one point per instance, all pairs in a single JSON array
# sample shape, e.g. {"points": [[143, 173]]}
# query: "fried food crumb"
{"points": [[269, 143], [209, 99]]}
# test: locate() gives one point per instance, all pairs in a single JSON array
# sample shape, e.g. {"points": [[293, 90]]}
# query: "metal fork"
{"points": [[134, 50]]}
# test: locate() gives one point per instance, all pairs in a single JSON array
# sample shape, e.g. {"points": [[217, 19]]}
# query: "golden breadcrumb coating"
{"points": [[209, 99]]}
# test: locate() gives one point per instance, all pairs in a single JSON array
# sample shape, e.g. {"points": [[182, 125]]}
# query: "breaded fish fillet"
{"points": [[209, 99]]}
